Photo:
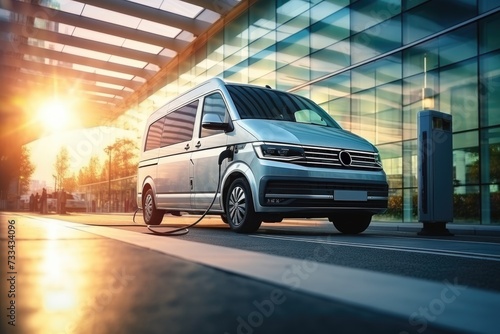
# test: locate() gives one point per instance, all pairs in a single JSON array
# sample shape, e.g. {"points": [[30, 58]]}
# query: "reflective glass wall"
{"points": [[366, 63]]}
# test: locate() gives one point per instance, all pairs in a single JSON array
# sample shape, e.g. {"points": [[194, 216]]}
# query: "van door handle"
{"points": [[186, 147], [198, 145]]}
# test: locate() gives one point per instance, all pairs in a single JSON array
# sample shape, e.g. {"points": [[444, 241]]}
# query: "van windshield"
{"points": [[265, 103]]}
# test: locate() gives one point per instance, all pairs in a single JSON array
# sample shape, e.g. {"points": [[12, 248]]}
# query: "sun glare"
{"points": [[54, 115]]}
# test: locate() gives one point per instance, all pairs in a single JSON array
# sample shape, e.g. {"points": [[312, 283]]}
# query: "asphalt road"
{"points": [[81, 273], [471, 260]]}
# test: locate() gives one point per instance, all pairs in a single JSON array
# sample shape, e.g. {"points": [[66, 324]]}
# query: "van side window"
{"points": [[214, 103], [153, 138], [179, 125]]}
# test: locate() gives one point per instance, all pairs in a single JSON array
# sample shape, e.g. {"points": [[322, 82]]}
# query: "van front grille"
{"points": [[338, 158]]}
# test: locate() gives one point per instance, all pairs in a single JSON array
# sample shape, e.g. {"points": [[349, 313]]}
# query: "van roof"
{"points": [[200, 89]]}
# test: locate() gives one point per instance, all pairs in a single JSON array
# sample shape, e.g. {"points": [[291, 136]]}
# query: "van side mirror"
{"points": [[213, 121]]}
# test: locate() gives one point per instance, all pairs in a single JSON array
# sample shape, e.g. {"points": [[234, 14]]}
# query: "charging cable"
{"points": [[228, 153]]}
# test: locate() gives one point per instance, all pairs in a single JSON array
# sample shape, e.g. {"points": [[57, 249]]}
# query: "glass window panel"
{"points": [[264, 43], [325, 8], [412, 101], [331, 88], [215, 48], [465, 158], [434, 16], [262, 63], [486, 5], [489, 39], [392, 161], [363, 114], [490, 89], [293, 48], [236, 35], [408, 4], [425, 55], [333, 58], [292, 75], [201, 61], [237, 72], [340, 110], [490, 175], [363, 77], [410, 163], [490, 157], [377, 73], [376, 40], [492, 195], [262, 17], [295, 25], [467, 204], [289, 9], [186, 72], [389, 115], [394, 210], [458, 45], [330, 30], [154, 135], [181, 123], [268, 79], [458, 95], [367, 13], [213, 103]]}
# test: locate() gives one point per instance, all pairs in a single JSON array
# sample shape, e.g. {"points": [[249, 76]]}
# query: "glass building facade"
{"points": [[366, 62]]}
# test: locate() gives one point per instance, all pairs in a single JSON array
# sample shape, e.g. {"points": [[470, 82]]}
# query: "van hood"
{"points": [[304, 134]]}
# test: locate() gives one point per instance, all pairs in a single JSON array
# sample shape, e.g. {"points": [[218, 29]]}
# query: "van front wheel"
{"points": [[151, 215], [240, 211]]}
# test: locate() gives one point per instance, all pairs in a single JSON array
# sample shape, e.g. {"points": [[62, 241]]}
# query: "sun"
{"points": [[54, 114]]}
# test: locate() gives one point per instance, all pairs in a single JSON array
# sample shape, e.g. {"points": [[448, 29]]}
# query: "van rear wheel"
{"points": [[240, 211], [351, 223], [151, 215]]}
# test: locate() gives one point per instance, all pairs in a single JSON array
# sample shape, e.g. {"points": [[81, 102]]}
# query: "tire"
{"points": [[240, 212], [151, 215], [351, 223], [224, 219]]}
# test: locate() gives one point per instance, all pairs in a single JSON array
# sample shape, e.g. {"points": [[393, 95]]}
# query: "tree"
{"points": [[70, 183], [91, 172], [124, 158], [61, 165], [26, 170]]}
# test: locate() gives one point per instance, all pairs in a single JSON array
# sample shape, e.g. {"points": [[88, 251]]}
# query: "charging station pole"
{"points": [[435, 171]]}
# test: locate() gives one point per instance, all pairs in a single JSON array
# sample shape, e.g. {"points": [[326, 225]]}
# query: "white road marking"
{"points": [[462, 254]]}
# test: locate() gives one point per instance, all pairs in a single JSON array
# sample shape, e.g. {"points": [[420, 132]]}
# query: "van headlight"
{"points": [[279, 152]]}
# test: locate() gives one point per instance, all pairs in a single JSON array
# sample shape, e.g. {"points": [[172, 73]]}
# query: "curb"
{"points": [[457, 229]]}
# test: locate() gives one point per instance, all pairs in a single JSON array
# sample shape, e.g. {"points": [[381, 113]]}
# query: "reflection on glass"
{"points": [[466, 204], [366, 14], [466, 163], [458, 94], [376, 40], [434, 16]]}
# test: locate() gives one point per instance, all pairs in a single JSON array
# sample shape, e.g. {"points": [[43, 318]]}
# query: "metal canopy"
{"points": [[101, 53]]}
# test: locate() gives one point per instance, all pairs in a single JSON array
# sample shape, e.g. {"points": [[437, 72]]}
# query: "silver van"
{"points": [[282, 157]]}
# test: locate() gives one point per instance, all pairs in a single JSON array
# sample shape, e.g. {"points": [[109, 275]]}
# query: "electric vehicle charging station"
{"points": [[435, 171]]}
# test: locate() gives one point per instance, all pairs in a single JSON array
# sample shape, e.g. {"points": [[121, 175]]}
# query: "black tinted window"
{"points": [[179, 125], [264, 103], [154, 135], [214, 103]]}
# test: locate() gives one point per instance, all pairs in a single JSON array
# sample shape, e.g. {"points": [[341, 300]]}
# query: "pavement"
{"points": [[454, 228], [65, 277]]}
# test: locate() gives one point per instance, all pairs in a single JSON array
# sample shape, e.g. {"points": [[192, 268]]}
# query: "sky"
{"points": [[81, 145]]}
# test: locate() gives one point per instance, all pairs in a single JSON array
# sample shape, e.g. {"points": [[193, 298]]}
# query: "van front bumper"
{"points": [[318, 197]]}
